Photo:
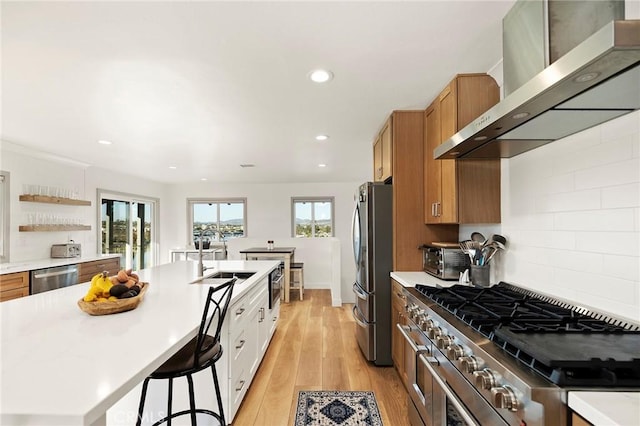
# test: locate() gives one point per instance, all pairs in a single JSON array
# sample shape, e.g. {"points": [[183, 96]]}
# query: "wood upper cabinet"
{"points": [[383, 154], [460, 191], [13, 286]]}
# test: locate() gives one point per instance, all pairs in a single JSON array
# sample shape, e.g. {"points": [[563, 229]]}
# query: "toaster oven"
{"points": [[444, 260], [65, 250]]}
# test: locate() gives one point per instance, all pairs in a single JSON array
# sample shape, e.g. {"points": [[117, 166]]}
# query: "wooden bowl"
{"points": [[114, 306]]}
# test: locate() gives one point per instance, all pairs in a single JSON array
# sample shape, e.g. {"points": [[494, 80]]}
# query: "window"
{"points": [[4, 216], [312, 217], [129, 227], [228, 216]]}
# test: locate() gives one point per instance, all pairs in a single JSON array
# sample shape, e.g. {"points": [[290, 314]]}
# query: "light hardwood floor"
{"points": [[314, 348]]}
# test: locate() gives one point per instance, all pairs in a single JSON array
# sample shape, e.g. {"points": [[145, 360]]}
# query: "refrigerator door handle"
{"points": [[357, 317], [359, 292], [353, 229]]}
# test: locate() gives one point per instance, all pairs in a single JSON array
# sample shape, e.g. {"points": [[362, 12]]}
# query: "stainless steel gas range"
{"points": [[504, 355]]}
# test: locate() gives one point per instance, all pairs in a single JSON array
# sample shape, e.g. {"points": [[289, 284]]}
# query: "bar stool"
{"points": [[297, 277], [200, 353]]}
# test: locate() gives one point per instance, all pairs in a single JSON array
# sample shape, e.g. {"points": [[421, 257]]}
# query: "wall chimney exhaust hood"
{"points": [[596, 81]]}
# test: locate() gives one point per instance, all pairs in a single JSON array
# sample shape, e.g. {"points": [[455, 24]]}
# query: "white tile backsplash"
{"points": [[596, 220], [568, 201], [607, 175], [619, 196], [571, 212]]}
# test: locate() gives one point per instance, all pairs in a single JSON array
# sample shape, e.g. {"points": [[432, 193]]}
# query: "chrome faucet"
{"points": [[201, 267], [221, 237]]}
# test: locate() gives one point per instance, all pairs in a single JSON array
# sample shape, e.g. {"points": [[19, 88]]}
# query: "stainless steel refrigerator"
{"points": [[371, 231]]}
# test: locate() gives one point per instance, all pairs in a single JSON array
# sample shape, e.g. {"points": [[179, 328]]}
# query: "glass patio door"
{"points": [[128, 228]]}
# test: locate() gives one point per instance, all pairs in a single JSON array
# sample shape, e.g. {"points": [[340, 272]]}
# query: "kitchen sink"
{"points": [[230, 274], [221, 277]]}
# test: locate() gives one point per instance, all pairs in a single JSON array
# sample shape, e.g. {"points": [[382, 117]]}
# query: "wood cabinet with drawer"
{"points": [[13, 286], [86, 270], [398, 302]]}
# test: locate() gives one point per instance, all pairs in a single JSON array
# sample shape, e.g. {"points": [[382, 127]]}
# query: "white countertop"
{"points": [[61, 366], [30, 265], [607, 408]]}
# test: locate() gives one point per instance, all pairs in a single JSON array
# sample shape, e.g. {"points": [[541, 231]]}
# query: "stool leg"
{"points": [[192, 401], [218, 395], [142, 398], [301, 283], [169, 402]]}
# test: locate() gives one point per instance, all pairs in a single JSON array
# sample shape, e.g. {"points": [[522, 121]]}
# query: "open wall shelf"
{"points": [[54, 200], [53, 228]]}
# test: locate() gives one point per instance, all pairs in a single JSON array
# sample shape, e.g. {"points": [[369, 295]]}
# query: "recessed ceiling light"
{"points": [[203, 179], [247, 165], [322, 165], [172, 167], [322, 137], [320, 76], [104, 142]]}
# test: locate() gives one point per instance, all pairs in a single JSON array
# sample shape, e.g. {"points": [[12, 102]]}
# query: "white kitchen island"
{"points": [[61, 366]]}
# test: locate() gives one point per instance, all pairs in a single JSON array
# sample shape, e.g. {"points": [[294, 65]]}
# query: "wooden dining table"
{"points": [[284, 253]]}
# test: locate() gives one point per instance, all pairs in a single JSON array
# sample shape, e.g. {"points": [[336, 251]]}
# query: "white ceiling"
{"points": [[207, 86]]}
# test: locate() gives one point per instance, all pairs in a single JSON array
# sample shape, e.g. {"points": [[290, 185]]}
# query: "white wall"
{"points": [[269, 218], [31, 167], [571, 213]]}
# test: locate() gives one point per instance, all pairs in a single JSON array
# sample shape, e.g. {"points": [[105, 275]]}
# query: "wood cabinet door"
{"points": [[13, 286], [387, 151], [377, 160], [432, 167], [397, 340], [448, 102]]}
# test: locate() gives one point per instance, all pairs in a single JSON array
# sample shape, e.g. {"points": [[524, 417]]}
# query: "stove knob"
{"points": [[454, 351], [426, 323], [434, 332], [443, 342], [504, 397], [484, 379], [469, 364]]}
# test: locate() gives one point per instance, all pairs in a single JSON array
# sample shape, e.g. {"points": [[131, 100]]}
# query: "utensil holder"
{"points": [[480, 275]]}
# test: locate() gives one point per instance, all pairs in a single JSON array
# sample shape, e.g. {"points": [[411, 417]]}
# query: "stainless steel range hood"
{"points": [[594, 82]]}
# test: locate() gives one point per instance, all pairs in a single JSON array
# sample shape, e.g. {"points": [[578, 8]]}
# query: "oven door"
{"points": [[419, 385], [446, 409]]}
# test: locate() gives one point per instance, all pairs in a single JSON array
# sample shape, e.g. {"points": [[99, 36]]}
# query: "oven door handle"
{"points": [[404, 330], [468, 418]]}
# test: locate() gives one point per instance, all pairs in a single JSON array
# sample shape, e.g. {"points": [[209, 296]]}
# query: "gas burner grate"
{"points": [[569, 346]]}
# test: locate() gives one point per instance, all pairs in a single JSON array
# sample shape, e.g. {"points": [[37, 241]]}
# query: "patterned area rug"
{"points": [[331, 408]]}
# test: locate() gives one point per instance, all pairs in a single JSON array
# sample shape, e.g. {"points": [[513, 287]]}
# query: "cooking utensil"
{"points": [[478, 237], [467, 246]]}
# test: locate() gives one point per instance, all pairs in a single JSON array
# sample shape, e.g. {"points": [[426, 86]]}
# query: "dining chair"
{"points": [[200, 353]]}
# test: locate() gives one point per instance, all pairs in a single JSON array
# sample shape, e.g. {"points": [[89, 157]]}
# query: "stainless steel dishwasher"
{"points": [[53, 278]]}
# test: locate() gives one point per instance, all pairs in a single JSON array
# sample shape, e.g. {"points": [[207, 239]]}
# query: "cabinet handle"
{"points": [[239, 311], [261, 315], [241, 386], [242, 342]]}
